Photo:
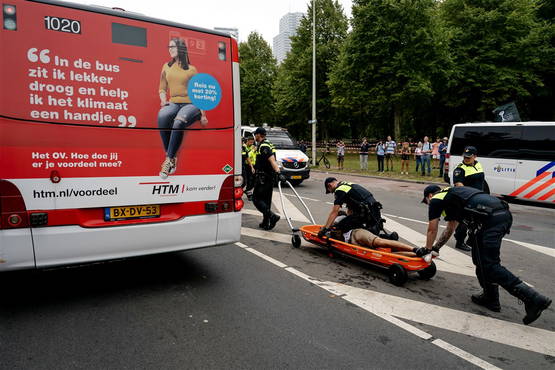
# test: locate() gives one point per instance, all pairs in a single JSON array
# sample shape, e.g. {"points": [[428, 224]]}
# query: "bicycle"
{"points": [[325, 159]]}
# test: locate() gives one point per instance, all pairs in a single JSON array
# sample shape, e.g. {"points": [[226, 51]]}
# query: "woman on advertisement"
{"points": [[178, 113]]}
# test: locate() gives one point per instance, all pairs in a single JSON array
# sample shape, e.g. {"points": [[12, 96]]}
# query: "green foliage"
{"points": [[390, 62], [258, 71], [499, 49], [293, 87]]}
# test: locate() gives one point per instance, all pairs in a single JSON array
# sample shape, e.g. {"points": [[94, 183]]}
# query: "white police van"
{"points": [[518, 158], [293, 163]]}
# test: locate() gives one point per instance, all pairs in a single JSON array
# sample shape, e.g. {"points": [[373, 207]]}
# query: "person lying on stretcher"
{"points": [[365, 238]]}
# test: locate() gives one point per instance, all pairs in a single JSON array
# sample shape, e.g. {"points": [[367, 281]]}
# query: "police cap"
{"points": [[328, 181], [469, 151], [430, 189], [260, 131]]}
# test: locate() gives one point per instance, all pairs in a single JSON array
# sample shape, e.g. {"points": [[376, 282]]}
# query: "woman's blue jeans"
{"points": [[172, 120]]}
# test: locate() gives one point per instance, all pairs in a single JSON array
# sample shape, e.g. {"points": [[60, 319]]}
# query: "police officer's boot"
{"points": [[265, 221], [489, 298], [534, 302], [273, 219]]}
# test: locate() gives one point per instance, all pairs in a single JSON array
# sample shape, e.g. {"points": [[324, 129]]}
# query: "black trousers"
{"points": [[248, 178], [460, 233], [262, 194], [486, 253]]}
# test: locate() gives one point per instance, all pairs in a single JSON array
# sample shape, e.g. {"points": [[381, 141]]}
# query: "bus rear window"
{"points": [[128, 35]]}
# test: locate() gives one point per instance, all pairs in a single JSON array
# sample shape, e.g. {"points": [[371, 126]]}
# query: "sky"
{"points": [[247, 15]]}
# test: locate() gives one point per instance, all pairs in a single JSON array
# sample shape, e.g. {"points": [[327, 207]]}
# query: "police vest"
{"points": [[440, 196], [473, 175], [264, 165], [356, 195]]}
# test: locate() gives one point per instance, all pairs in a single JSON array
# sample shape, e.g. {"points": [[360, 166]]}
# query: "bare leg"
{"points": [[395, 246]]}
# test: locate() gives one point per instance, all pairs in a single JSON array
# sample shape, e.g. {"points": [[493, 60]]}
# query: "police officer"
{"points": [[248, 168], [468, 173], [489, 219], [358, 201], [265, 170]]}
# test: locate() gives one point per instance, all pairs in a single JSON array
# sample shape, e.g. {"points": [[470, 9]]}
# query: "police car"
{"points": [[293, 163]]}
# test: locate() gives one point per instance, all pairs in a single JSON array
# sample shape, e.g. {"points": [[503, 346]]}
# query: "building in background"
{"points": [[288, 25], [234, 32]]}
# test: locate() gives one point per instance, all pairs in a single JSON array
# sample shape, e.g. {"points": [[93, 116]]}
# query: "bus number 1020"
{"points": [[62, 24]]}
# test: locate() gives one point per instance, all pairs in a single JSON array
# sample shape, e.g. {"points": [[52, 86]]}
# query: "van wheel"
{"points": [[397, 274], [296, 182]]}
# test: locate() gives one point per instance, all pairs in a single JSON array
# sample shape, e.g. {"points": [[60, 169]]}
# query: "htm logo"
{"points": [[165, 189]]}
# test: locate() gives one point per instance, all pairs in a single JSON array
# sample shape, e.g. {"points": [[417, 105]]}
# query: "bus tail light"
{"points": [[10, 17], [238, 202], [13, 213]]}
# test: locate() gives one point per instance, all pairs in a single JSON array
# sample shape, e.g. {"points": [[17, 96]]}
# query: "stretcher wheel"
{"points": [[429, 272], [397, 274], [296, 241]]}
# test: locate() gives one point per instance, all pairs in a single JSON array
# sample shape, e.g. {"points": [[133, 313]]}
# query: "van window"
{"points": [[282, 140], [538, 143], [491, 141]]}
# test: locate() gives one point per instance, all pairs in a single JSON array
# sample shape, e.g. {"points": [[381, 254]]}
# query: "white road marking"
{"points": [[292, 211], [294, 196], [464, 355], [265, 257], [538, 248], [346, 293], [449, 259], [254, 212], [268, 235]]}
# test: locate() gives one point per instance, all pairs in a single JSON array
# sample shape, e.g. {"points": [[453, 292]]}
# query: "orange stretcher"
{"points": [[398, 266]]}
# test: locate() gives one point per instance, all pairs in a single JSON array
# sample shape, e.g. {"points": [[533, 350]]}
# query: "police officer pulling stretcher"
{"points": [[266, 169], [468, 173], [488, 219]]}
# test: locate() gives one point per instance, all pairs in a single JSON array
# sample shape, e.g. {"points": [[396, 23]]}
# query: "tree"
{"points": [[390, 62], [500, 50], [293, 87], [258, 71]]}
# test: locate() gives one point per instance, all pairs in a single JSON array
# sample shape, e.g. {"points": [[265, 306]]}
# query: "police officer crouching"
{"points": [[359, 202], [265, 170], [468, 173], [488, 219]]}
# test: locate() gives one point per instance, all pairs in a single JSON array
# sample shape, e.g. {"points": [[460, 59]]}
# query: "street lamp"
{"points": [[314, 83]]}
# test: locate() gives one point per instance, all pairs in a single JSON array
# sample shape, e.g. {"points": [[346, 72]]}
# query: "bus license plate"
{"points": [[297, 177], [126, 213]]}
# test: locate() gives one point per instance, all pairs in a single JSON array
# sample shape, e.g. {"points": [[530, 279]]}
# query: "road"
{"points": [[262, 304]]}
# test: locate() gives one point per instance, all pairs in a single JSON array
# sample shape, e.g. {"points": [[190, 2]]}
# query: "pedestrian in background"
{"points": [[435, 153], [380, 155], [442, 153], [363, 153], [405, 155], [340, 154], [390, 146], [302, 146], [418, 156], [426, 153]]}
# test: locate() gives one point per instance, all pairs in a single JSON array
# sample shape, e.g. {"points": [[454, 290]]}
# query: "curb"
{"points": [[381, 178]]}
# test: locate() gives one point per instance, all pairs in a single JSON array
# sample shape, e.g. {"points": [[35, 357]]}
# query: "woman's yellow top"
{"points": [[175, 79]]}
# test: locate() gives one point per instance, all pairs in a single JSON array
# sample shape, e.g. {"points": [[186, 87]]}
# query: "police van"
{"points": [[293, 163], [518, 158]]}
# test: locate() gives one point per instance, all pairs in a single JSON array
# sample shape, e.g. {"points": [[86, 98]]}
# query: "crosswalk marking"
{"points": [[292, 211], [449, 260]]}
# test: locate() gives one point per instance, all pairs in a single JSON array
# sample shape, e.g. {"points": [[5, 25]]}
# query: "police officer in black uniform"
{"points": [[358, 201], [488, 219], [266, 169], [468, 173]]}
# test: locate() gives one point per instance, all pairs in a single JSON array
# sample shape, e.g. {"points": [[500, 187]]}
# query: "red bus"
{"points": [[119, 135]]}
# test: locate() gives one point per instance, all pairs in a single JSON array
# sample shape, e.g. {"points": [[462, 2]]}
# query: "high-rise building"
{"points": [[234, 32], [288, 25]]}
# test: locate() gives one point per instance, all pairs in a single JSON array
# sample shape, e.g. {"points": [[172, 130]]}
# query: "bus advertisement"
{"points": [[119, 135]]}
